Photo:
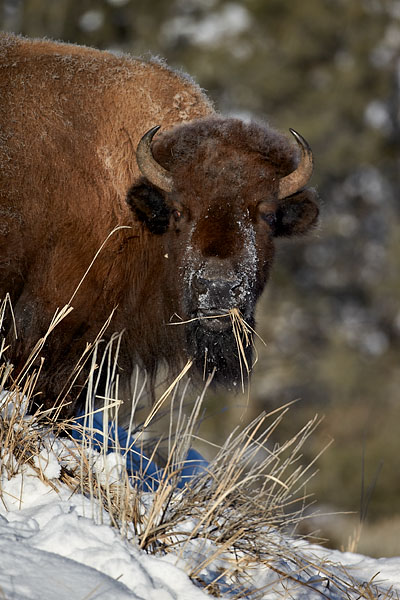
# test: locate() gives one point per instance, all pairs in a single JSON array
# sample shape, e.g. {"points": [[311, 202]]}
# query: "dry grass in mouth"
{"points": [[244, 337]]}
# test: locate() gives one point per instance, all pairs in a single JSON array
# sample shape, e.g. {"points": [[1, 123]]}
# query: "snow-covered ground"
{"points": [[51, 546], [60, 543]]}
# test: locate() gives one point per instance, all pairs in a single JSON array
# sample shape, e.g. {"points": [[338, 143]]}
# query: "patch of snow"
{"points": [[11, 403], [377, 116], [213, 28], [91, 20], [50, 547]]}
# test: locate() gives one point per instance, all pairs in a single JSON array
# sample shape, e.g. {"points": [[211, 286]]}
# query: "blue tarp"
{"points": [[144, 472]]}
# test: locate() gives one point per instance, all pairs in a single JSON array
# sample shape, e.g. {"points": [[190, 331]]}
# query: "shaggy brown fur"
{"points": [[70, 120]]}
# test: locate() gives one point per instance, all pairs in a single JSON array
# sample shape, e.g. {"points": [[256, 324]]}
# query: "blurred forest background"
{"points": [[331, 314]]}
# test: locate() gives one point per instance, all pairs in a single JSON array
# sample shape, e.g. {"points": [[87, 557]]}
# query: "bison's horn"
{"points": [[297, 179], [147, 164]]}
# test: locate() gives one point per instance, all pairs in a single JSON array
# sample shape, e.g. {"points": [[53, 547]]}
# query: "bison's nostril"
{"points": [[201, 285], [236, 286]]}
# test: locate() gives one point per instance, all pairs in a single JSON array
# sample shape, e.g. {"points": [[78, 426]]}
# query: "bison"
{"points": [[90, 142]]}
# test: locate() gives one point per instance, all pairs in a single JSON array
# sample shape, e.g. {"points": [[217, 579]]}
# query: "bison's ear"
{"points": [[296, 214], [149, 206]]}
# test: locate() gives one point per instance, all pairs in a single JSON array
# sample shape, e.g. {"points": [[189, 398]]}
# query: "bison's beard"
{"points": [[217, 354]]}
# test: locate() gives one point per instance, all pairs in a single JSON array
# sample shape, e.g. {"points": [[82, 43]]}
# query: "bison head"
{"points": [[216, 193]]}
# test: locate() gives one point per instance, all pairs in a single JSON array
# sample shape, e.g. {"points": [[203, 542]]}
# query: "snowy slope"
{"points": [[50, 546], [55, 544]]}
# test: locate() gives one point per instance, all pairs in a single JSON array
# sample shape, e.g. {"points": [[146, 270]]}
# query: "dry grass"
{"points": [[228, 528], [243, 333]]}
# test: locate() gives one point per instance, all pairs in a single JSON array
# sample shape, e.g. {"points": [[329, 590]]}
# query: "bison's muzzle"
{"points": [[210, 336], [213, 298]]}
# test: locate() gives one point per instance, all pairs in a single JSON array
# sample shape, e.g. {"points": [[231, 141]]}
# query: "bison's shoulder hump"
{"points": [[72, 61]]}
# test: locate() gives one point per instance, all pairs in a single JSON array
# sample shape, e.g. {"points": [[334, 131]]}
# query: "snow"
{"points": [[55, 542], [51, 545]]}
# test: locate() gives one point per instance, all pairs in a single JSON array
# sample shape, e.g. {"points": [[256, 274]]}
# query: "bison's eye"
{"points": [[177, 214], [269, 217], [267, 213]]}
